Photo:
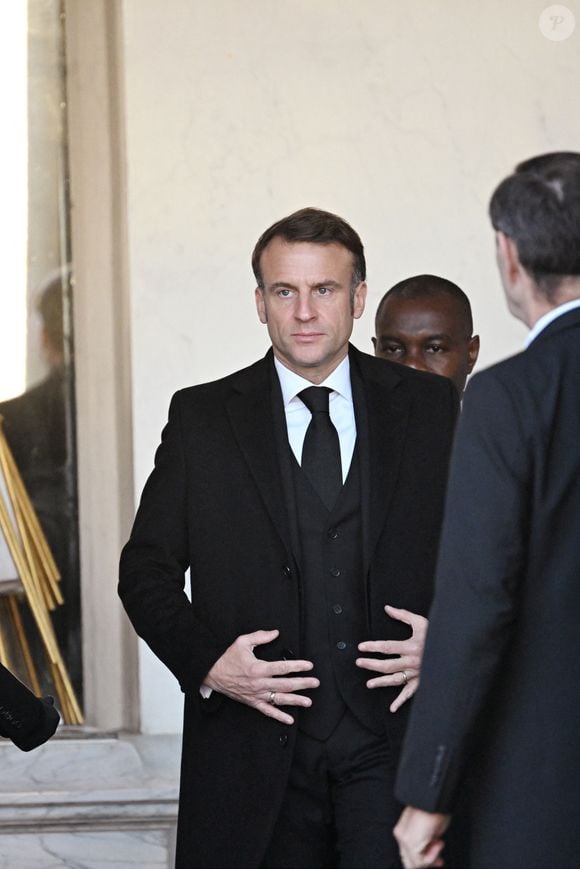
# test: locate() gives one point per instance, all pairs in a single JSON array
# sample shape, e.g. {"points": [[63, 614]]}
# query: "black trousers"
{"points": [[339, 809]]}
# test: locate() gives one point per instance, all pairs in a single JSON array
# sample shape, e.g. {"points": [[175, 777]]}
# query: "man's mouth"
{"points": [[307, 337]]}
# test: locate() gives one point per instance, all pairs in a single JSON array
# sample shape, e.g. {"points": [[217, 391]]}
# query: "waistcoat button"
{"points": [[341, 645], [334, 571], [332, 533], [286, 571], [337, 609]]}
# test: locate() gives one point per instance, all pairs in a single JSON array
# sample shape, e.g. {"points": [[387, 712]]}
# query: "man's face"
{"points": [[427, 334], [306, 304]]}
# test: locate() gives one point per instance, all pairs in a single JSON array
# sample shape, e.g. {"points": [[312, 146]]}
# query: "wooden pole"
{"points": [[38, 573], [24, 644]]}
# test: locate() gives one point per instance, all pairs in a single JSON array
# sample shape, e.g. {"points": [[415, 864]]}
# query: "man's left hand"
{"points": [[403, 670], [420, 837]]}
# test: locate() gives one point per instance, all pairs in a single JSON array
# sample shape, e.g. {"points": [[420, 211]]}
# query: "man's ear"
{"points": [[261, 305], [359, 299], [508, 257], [374, 340], [472, 353]]}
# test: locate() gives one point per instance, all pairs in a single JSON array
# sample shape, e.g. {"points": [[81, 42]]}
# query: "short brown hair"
{"points": [[318, 227]]}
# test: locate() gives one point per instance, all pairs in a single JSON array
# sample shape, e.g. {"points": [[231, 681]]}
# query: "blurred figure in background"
{"points": [[38, 428]]}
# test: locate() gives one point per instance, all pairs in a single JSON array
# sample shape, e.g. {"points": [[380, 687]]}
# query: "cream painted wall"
{"points": [[400, 117]]}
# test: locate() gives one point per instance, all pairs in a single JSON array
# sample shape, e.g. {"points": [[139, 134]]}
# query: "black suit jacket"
{"points": [[216, 503], [499, 695], [25, 719]]}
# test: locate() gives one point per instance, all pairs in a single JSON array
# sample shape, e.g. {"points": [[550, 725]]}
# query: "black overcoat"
{"points": [[499, 698], [215, 503]]}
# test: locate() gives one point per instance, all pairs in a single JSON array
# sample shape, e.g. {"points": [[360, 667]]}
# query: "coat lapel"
{"points": [[251, 410], [256, 414], [382, 413]]}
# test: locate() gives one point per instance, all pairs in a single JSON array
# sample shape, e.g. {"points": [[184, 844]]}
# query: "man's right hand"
{"points": [[265, 685]]}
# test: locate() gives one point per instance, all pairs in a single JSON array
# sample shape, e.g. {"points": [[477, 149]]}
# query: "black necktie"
{"points": [[321, 450]]}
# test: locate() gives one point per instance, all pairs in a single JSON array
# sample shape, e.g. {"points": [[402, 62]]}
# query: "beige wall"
{"points": [[400, 117]]}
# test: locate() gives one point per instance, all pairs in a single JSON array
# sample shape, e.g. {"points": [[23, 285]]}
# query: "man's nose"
{"points": [[416, 361], [305, 309]]}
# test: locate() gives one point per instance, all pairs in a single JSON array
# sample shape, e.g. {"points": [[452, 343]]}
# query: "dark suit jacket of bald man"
{"points": [[500, 685], [215, 503]]}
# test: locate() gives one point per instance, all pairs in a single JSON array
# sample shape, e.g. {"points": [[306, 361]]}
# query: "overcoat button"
{"points": [[332, 533], [341, 645], [287, 572], [335, 571], [337, 609], [284, 740]]}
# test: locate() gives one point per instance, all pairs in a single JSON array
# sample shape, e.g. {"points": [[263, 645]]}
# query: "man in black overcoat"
{"points": [[499, 703], [304, 493]]}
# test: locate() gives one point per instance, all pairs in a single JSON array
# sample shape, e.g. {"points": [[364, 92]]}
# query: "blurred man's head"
{"points": [[50, 308], [425, 322], [536, 215]]}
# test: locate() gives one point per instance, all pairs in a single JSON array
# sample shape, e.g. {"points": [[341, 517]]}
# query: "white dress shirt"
{"points": [[341, 409], [550, 317]]}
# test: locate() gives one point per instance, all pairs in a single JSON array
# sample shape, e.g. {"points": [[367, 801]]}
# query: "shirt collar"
{"points": [[291, 383], [550, 317]]}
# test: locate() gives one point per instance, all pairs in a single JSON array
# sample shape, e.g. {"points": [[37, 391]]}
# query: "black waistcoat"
{"points": [[334, 612]]}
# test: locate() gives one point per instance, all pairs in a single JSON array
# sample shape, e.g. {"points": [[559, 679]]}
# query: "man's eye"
{"points": [[284, 293], [323, 291], [436, 348], [391, 348]]}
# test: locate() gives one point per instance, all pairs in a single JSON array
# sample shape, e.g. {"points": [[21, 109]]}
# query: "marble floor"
{"points": [[89, 801]]}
